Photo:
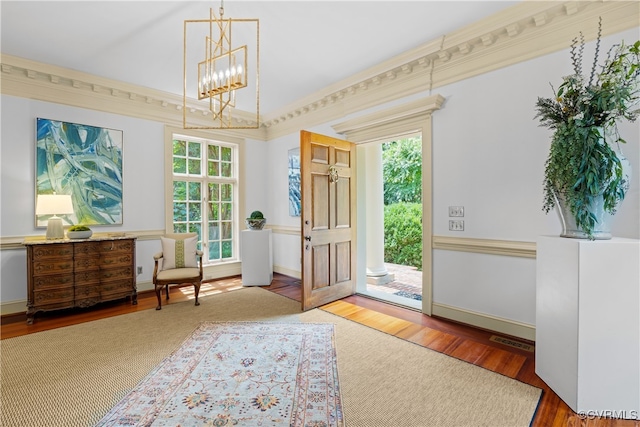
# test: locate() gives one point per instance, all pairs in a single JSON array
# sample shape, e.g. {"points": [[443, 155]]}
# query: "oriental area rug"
{"points": [[240, 373]]}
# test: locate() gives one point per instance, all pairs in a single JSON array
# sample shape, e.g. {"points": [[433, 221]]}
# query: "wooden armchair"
{"points": [[181, 263]]}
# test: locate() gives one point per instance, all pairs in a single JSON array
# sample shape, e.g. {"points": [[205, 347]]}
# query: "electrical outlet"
{"points": [[456, 211], [456, 225], [139, 270]]}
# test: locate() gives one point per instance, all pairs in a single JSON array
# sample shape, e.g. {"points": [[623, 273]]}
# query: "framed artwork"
{"points": [[85, 162], [294, 182]]}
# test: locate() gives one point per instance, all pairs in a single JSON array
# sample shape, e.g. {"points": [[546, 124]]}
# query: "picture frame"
{"points": [[295, 196], [85, 162]]}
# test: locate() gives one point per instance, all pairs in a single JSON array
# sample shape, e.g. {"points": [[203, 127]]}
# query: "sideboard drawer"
{"points": [[91, 291], [52, 266], [118, 287], [53, 281], [109, 260], [54, 298], [63, 250], [86, 263]]}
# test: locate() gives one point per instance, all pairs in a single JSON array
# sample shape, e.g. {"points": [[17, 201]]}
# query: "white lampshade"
{"points": [[54, 204]]}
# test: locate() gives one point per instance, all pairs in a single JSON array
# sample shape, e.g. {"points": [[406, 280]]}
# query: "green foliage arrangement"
{"points": [[403, 234], [402, 171], [256, 215], [79, 228], [581, 164]]}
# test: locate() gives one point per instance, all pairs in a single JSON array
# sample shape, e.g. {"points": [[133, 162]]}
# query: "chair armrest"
{"points": [[157, 256], [199, 252]]}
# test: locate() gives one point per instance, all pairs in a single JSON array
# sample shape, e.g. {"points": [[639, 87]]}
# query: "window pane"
{"points": [[225, 211], [179, 228], [214, 211], [226, 250], [227, 192], [194, 191], [226, 170], [179, 211], [214, 231], [179, 165], [226, 153], [194, 150], [214, 152], [226, 230], [179, 190], [179, 148], [194, 167], [196, 228], [195, 211], [214, 192], [214, 250], [213, 169]]}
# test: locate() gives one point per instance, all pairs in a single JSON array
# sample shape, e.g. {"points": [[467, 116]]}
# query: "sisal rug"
{"points": [[74, 376], [242, 373]]}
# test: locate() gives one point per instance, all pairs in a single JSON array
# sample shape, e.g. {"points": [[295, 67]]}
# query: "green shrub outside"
{"points": [[403, 234]]}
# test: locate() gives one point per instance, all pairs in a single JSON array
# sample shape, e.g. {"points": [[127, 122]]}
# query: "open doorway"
{"points": [[394, 191]]}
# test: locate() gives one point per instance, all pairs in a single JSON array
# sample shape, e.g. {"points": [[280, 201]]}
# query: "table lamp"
{"points": [[54, 204]]}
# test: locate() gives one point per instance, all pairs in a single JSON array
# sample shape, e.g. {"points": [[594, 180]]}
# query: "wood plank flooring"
{"points": [[456, 340]]}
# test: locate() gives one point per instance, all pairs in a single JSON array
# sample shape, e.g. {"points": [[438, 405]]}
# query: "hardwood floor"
{"points": [[463, 342]]}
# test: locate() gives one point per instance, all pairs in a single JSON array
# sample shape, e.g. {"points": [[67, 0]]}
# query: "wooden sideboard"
{"points": [[79, 273]]}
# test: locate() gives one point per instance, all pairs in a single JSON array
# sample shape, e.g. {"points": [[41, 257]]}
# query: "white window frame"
{"points": [[237, 205]]}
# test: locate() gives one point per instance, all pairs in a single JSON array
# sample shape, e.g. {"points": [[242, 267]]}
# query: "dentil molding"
{"points": [[522, 32]]}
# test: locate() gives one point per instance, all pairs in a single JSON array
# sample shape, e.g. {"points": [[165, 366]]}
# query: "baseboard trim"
{"points": [[485, 321], [287, 272], [13, 307]]}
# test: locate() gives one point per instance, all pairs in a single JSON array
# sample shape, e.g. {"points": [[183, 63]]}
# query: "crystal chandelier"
{"points": [[222, 72]]}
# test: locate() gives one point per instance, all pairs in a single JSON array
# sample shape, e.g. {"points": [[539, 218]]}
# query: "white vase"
{"points": [[602, 228]]}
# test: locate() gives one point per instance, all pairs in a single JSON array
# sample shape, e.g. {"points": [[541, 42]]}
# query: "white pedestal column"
{"points": [[377, 273], [588, 323], [257, 257]]}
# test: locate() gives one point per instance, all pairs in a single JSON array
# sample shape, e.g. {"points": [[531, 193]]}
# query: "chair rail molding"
{"points": [[485, 246]]}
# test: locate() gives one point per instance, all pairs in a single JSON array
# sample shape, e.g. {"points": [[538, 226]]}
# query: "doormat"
{"points": [[241, 373]]}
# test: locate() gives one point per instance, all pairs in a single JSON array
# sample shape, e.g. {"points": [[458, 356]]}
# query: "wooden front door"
{"points": [[328, 219]]}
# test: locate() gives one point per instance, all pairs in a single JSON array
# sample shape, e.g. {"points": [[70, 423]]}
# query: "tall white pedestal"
{"points": [[257, 257], [588, 323]]}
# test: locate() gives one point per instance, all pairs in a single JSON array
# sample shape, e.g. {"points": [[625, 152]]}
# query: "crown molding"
{"points": [[527, 30], [30, 79], [522, 32]]}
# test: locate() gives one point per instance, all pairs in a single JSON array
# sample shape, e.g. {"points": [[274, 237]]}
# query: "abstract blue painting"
{"points": [[294, 182], [85, 162]]}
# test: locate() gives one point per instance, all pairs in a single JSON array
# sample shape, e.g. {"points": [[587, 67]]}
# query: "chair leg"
{"points": [[196, 286], [158, 291], [167, 292]]}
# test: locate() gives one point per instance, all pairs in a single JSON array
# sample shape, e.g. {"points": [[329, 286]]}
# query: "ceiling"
{"points": [[304, 45]]}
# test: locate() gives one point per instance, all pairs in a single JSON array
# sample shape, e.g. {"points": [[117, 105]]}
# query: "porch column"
{"points": [[377, 273]]}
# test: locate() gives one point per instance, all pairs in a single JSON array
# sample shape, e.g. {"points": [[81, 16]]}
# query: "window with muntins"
{"points": [[205, 188]]}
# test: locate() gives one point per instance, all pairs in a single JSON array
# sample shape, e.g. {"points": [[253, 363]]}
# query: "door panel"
{"points": [[328, 219]]}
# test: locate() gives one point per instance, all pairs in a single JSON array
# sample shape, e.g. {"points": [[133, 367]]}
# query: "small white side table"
{"points": [[588, 323], [257, 257]]}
